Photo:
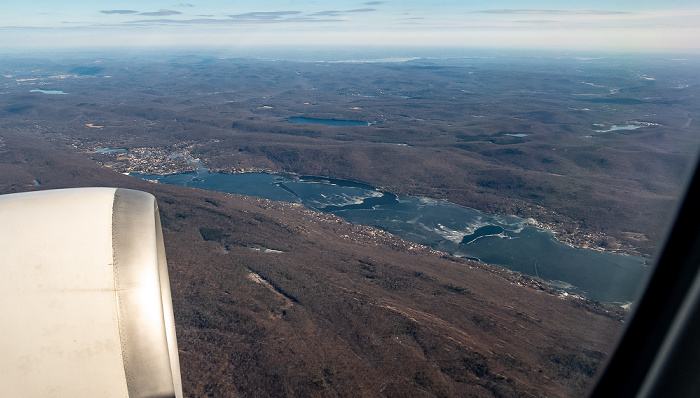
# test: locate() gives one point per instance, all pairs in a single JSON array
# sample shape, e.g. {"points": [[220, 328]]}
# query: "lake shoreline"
{"points": [[585, 240], [439, 224], [581, 240]]}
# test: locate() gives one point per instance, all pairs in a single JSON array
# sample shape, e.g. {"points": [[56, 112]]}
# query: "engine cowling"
{"points": [[85, 296]]}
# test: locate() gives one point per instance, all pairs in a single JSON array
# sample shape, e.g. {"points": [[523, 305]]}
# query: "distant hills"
{"points": [[522, 136]]}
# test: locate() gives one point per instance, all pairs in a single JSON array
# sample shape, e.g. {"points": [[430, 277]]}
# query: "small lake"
{"points": [[110, 150], [51, 92], [517, 135], [617, 128], [330, 122], [511, 242], [124, 150]]}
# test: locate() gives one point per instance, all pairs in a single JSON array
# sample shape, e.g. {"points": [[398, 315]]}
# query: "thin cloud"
{"points": [[536, 21], [332, 13], [374, 3], [256, 17], [552, 12], [328, 13], [119, 12], [311, 19], [172, 21], [264, 15], [277, 17], [160, 13]]}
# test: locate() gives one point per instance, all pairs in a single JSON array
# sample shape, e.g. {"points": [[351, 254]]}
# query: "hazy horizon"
{"points": [[348, 54], [594, 25]]}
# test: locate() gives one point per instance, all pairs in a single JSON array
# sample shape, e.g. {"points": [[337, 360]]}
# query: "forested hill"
{"points": [[272, 299]]}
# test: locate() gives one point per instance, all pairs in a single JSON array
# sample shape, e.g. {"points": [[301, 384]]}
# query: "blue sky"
{"points": [[627, 24]]}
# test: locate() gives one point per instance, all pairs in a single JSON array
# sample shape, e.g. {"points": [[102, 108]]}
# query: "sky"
{"points": [[636, 25]]}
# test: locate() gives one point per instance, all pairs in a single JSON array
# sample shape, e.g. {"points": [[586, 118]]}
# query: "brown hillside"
{"points": [[272, 299]]}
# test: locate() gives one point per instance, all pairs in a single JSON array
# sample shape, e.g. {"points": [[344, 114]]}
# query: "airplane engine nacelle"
{"points": [[84, 296]]}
